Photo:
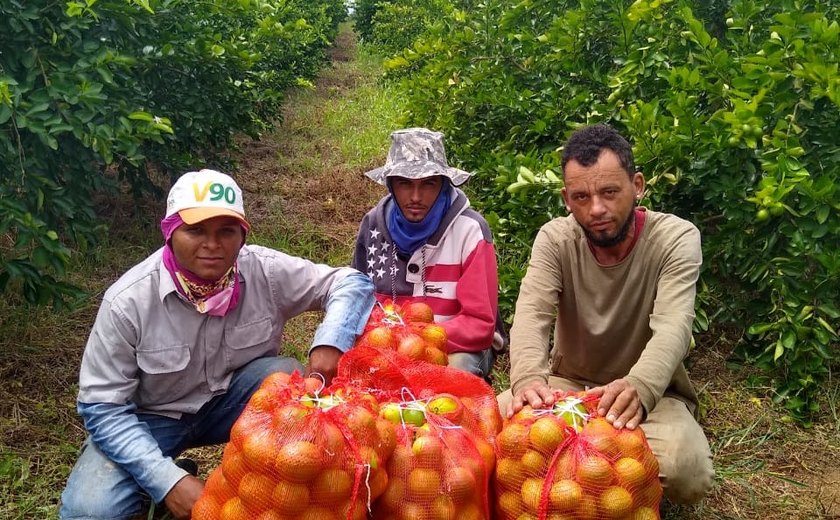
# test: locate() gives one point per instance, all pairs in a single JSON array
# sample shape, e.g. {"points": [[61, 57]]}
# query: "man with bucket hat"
{"points": [[422, 241], [184, 338]]}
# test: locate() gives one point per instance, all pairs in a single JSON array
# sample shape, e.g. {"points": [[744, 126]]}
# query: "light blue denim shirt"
{"points": [[150, 351]]}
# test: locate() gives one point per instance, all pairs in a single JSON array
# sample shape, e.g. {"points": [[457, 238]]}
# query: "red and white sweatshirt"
{"points": [[455, 272]]}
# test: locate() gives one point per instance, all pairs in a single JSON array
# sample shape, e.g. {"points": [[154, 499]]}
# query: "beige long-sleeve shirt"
{"points": [[630, 320]]}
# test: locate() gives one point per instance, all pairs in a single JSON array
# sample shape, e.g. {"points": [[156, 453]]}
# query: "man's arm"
{"points": [[117, 432], [347, 309], [670, 320], [477, 292], [108, 379], [536, 310]]}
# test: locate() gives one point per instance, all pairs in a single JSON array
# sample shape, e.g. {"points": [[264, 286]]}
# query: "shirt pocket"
{"points": [[163, 377], [249, 341]]}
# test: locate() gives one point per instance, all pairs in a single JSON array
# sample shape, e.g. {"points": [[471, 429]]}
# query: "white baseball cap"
{"points": [[204, 194]]}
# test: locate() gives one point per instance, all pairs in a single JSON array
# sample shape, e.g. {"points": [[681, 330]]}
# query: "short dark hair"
{"points": [[585, 145]]}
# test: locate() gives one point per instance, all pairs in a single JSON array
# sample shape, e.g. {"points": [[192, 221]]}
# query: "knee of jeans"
{"points": [[94, 501]]}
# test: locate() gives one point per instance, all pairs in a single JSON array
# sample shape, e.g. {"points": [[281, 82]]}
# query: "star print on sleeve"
{"points": [[372, 249], [374, 234], [380, 272]]}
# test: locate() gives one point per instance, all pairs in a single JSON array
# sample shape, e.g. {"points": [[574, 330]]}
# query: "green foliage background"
{"points": [[733, 109], [93, 92]]}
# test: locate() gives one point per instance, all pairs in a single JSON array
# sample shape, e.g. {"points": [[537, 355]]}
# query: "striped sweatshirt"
{"points": [[455, 272]]}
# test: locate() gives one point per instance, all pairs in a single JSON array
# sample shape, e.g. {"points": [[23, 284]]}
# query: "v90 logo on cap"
{"points": [[204, 194]]}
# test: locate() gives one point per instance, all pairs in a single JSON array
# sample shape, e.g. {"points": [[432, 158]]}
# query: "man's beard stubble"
{"points": [[617, 238]]}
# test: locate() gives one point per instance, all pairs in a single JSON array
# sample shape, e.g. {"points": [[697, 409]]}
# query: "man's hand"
{"points": [[535, 394], [182, 497], [619, 403], [324, 360]]}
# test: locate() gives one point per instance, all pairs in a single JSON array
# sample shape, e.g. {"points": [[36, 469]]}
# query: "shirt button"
{"points": [[413, 268]]}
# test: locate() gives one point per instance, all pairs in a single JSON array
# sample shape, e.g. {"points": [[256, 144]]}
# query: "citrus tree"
{"points": [[92, 92]]}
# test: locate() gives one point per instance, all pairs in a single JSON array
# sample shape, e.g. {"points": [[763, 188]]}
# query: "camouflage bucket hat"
{"points": [[417, 153]]}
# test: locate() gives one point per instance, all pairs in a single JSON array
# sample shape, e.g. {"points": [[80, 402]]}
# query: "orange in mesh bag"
{"points": [[463, 398], [300, 452], [564, 463], [438, 470], [408, 329]]}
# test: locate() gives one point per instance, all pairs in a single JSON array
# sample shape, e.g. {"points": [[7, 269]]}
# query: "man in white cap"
{"points": [[184, 338], [423, 242]]}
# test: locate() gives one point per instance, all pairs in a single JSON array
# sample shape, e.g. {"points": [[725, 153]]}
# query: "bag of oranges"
{"points": [[298, 451], [463, 398], [408, 329], [565, 462], [438, 469]]}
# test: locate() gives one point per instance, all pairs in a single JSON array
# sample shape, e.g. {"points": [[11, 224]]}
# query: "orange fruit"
{"points": [[394, 495], [377, 482], [206, 508], [387, 438], [642, 513], [413, 511], [470, 511], [546, 434], [331, 440], [531, 493], [289, 418], [510, 473], [331, 486], [417, 312], [616, 502], [594, 472], [488, 455], [299, 461], [564, 466], [255, 490], [460, 484], [218, 486], [427, 450], [259, 449], [443, 508], [630, 472], [262, 400], [233, 466], [270, 515], [318, 513], [290, 498], [423, 483], [598, 427], [380, 337], [650, 494], [245, 426], [434, 335], [275, 382], [651, 465], [631, 443], [513, 440], [313, 385], [526, 516], [533, 462], [401, 461], [510, 503], [565, 495], [525, 414], [412, 345], [490, 420], [606, 445], [436, 356], [234, 509], [361, 422], [358, 511], [587, 509]]}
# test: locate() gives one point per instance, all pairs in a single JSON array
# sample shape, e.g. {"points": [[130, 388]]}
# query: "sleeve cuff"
{"points": [[166, 476]]}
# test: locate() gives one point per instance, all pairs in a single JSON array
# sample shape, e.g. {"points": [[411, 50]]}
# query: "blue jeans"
{"points": [[98, 489], [477, 363]]}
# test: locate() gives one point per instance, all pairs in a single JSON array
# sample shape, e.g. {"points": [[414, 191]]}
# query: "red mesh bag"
{"points": [[564, 462], [300, 452], [438, 470], [387, 375], [408, 329]]}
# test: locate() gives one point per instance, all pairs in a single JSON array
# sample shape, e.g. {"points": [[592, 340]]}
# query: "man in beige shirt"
{"points": [[618, 283]]}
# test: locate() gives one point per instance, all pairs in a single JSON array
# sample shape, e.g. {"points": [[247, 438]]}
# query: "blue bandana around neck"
{"points": [[409, 236]]}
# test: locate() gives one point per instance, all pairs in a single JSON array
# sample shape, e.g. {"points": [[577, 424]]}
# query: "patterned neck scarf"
{"points": [[409, 236], [213, 297]]}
